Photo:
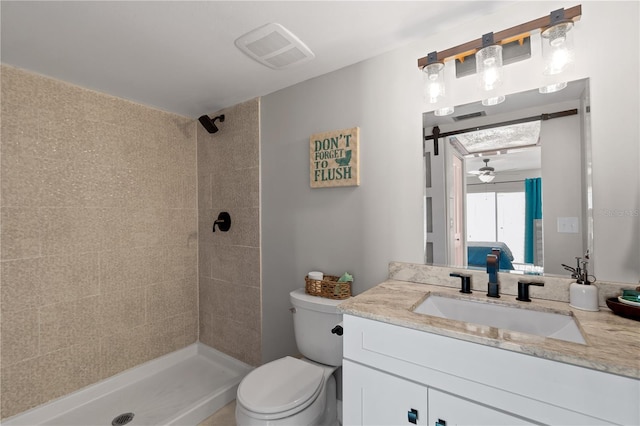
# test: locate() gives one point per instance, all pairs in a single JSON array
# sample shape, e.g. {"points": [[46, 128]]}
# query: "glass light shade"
{"points": [[489, 67], [486, 178], [557, 48], [434, 82], [441, 112], [495, 100], [552, 87]]}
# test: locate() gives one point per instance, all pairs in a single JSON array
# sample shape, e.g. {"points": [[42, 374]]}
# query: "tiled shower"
{"points": [[99, 240]]}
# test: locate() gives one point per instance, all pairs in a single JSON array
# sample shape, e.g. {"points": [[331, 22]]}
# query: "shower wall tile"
{"points": [[121, 311], [20, 285], [191, 327], [167, 335], [190, 191], [99, 224], [69, 230], [128, 268], [19, 335], [69, 369], [19, 135], [205, 327], [143, 227], [21, 177], [239, 302], [205, 201], [119, 352], [170, 298], [21, 230], [229, 262], [35, 282], [67, 324], [222, 262], [247, 227], [238, 188], [25, 383], [247, 266], [205, 255], [179, 262], [236, 340], [68, 277]]}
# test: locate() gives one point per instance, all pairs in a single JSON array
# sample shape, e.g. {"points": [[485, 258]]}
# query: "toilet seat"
{"points": [[298, 385]]}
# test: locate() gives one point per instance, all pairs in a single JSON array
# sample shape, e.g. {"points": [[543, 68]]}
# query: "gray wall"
{"points": [[355, 229], [561, 193]]}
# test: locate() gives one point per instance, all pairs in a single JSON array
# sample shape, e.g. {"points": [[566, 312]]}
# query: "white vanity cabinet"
{"points": [[384, 399], [390, 370]]}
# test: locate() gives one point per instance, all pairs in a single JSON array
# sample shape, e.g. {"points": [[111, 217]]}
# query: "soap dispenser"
{"points": [[583, 295]]}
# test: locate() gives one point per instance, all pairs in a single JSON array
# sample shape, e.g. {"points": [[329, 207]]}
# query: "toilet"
{"points": [[292, 391]]}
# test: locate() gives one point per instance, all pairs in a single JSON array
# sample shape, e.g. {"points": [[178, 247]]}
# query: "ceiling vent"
{"points": [[470, 115], [274, 46]]}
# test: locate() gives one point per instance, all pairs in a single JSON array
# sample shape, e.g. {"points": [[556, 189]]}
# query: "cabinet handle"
{"points": [[441, 422], [412, 416]]}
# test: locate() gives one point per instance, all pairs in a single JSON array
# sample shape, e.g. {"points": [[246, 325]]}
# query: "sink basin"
{"points": [[547, 324]]}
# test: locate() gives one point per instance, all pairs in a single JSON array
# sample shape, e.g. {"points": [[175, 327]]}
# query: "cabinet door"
{"points": [[449, 410], [371, 397]]}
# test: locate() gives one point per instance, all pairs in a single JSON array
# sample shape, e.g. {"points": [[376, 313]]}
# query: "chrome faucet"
{"points": [[493, 261]]}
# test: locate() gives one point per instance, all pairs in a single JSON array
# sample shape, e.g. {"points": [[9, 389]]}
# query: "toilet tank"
{"points": [[313, 320]]}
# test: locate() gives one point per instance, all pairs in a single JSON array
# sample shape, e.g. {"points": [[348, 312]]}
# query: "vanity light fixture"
{"points": [[489, 68], [557, 43], [557, 51], [434, 76], [434, 84]]}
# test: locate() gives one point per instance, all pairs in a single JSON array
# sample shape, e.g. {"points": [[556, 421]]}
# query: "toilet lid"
{"points": [[281, 385]]}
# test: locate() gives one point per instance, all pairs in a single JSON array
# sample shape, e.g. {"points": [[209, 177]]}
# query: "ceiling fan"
{"points": [[485, 173]]}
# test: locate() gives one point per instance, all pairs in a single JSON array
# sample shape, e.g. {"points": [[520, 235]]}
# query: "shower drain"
{"points": [[122, 419]]}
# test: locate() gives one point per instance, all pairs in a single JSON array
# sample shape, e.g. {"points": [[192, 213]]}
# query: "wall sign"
{"points": [[334, 158]]}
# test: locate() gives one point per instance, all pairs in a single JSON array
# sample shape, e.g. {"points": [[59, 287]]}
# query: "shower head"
{"points": [[210, 124]]}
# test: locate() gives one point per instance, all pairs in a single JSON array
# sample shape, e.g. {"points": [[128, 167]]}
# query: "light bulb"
{"points": [[489, 67], [434, 84], [557, 41], [489, 62], [557, 48]]}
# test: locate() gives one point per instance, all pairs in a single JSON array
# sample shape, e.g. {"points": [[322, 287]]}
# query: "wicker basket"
{"points": [[328, 287]]}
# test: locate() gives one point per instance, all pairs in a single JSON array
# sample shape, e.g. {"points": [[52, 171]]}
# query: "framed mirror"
{"points": [[514, 176]]}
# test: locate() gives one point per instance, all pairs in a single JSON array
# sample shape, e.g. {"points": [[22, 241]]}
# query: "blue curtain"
{"points": [[533, 212]]}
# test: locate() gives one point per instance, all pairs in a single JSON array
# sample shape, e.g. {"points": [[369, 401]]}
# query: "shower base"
{"points": [[181, 388]]}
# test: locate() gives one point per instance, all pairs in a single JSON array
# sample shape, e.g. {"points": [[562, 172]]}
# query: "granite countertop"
{"points": [[613, 342]]}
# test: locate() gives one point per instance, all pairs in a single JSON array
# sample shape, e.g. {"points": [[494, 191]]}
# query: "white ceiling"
{"points": [[179, 56]]}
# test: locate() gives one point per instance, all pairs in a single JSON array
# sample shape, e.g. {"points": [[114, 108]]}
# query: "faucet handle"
{"points": [[465, 282], [523, 289]]}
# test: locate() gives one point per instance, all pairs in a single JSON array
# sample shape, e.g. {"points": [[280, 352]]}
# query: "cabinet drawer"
{"points": [[371, 397], [445, 409]]}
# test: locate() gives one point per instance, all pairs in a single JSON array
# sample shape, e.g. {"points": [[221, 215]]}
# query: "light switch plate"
{"points": [[568, 225]]}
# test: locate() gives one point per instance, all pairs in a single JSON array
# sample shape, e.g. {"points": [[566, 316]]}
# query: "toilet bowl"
{"points": [[298, 391], [288, 391]]}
